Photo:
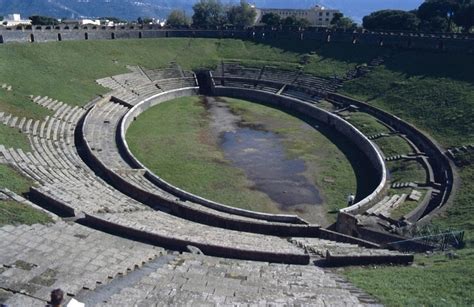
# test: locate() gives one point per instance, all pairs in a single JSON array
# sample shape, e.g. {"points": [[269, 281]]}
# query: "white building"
{"points": [[12, 20], [81, 22], [317, 15]]}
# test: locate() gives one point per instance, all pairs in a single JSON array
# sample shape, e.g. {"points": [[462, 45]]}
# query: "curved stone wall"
{"points": [[441, 42], [337, 123], [340, 125], [142, 107]]}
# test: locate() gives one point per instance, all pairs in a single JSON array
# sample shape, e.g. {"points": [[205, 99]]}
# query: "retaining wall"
{"points": [[182, 245], [440, 42]]}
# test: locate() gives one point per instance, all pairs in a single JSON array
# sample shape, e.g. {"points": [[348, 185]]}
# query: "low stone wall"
{"points": [[336, 260], [335, 122], [182, 245], [434, 42]]}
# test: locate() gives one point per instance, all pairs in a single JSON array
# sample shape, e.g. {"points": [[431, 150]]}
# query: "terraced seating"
{"points": [[229, 69], [47, 102], [102, 128], [171, 72], [298, 94], [171, 84], [278, 75], [199, 280], [271, 88], [36, 259], [315, 83]]}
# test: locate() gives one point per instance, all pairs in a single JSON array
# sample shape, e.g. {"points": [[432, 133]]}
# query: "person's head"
{"points": [[57, 296]]}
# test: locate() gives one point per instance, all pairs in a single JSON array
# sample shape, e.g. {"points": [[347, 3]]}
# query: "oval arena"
{"points": [[124, 235]]}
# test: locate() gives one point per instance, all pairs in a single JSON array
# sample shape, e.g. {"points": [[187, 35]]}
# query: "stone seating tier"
{"points": [[38, 258]]}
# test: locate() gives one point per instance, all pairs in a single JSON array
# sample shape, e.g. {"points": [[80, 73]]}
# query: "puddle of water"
{"points": [[262, 157]]}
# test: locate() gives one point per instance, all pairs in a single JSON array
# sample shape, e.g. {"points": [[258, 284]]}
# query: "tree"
{"points": [[335, 19], [177, 19], [431, 12], [464, 17], [208, 14], [339, 21], [144, 20], [271, 19], [391, 20], [37, 20], [242, 15]]}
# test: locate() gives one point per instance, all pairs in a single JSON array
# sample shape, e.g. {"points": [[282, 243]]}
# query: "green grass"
{"points": [[393, 145], [67, 70], [433, 281], [406, 171], [366, 123], [13, 138], [13, 181], [408, 205], [18, 103], [184, 153], [434, 91], [13, 213]]}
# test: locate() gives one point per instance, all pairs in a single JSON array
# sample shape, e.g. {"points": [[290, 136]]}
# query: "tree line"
{"points": [[430, 16], [214, 14]]}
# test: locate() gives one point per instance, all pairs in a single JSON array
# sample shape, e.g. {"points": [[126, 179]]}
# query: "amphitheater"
{"points": [[123, 236]]}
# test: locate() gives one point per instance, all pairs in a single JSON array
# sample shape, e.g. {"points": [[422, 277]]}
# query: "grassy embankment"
{"points": [[67, 70], [436, 93], [189, 156]]}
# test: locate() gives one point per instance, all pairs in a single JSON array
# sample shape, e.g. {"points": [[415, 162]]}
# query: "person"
{"points": [[350, 199], [57, 297]]}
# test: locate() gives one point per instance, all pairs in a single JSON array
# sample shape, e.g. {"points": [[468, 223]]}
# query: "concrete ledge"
{"points": [[339, 237], [335, 260], [207, 249], [50, 202]]}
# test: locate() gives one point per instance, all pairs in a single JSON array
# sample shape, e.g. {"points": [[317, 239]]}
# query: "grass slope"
{"points": [[435, 91], [67, 70]]}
